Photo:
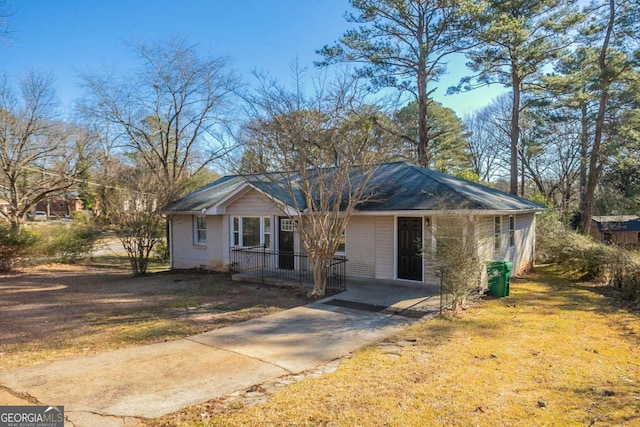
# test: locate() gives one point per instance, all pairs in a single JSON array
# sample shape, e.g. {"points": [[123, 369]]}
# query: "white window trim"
{"points": [[239, 231], [196, 241]]}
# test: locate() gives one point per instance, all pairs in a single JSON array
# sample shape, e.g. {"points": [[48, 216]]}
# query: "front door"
{"points": [[285, 243], [410, 248]]}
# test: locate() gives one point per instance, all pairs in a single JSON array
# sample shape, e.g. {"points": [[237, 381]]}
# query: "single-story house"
{"points": [[380, 239], [617, 230]]}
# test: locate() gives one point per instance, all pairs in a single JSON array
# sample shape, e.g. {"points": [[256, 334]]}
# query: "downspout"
{"points": [[170, 241]]}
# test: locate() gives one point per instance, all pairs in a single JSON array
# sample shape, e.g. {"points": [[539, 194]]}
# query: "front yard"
{"points": [[555, 353], [60, 311]]}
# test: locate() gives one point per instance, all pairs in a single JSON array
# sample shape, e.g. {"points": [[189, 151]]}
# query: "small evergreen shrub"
{"points": [[14, 245], [161, 251], [68, 242]]}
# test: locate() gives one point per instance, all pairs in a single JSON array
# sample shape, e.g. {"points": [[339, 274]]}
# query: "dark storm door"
{"points": [[285, 243], [409, 248]]}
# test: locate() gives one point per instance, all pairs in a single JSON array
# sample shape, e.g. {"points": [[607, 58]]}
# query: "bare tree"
{"points": [[323, 151], [456, 258], [38, 155], [489, 139], [132, 200], [5, 13], [168, 117]]}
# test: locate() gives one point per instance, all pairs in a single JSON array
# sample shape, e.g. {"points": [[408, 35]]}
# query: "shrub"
{"points": [[550, 233], [456, 261], [579, 254], [161, 251], [626, 274], [587, 258], [68, 242], [14, 244]]}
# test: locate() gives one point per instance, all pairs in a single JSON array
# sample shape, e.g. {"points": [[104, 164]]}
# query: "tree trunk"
{"points": [[319, 275], [514, 132], [522, 172], [424, 157], [595, 163], [15, 224], [424, 150], [584, 154]]}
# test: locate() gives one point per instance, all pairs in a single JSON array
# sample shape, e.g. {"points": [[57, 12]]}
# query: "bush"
{"points": [[587, 258], [579, 254], [68, 242], [456, 261], [161, 251], [14, 245], [626, 275]]}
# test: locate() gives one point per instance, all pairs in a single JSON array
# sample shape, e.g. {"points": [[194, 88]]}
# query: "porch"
{"points": [[395, 297]]}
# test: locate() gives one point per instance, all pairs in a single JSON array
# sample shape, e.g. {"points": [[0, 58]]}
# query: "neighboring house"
{"points": [[617, 230], [380, 238], [60, 205]]}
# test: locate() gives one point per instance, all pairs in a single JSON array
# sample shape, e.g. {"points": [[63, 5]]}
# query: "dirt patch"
{"points": [[58, 311]]}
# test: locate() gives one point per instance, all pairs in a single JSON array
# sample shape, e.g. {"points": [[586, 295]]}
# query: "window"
{"points": [[286, 224], [512, 229], [497, 227], [251, 231], [200, 230], [266, 232]]}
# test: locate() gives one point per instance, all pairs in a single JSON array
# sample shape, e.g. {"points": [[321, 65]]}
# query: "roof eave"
{"points": [[443, 212]]}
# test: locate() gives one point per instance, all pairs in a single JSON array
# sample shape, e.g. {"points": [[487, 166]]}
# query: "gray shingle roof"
{"points": [[396, 186]]}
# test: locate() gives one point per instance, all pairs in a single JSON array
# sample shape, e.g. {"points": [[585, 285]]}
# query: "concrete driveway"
{"points": [[154, 380]]}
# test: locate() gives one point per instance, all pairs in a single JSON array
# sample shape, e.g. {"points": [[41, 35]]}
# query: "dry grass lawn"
{"points": [[59, 311], [555, 353]]}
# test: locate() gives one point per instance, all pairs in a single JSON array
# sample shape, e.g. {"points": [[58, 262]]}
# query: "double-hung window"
{"points": [[497, 234], [251, 231], [200, 230], [512, 230]]}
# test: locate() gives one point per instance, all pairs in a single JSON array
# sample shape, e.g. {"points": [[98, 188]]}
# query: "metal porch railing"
{"points": [[265, 265]]}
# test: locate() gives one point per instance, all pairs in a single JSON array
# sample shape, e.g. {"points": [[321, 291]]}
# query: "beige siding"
{"points": [[524, 243], [361, 246], [429, 245], [485, 243], [187, 254], [384, 244], [370, 246], [521, 254], [253, 203]]}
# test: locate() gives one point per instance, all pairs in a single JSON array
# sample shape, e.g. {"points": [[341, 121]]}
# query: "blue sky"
{"points": [[66, 37]]}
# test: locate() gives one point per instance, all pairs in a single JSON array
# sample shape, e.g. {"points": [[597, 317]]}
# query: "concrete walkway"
{"points": [[153, 380]]}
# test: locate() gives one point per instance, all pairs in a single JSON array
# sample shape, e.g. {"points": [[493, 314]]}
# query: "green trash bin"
{"points": [[498, 284], [508, 267]]}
